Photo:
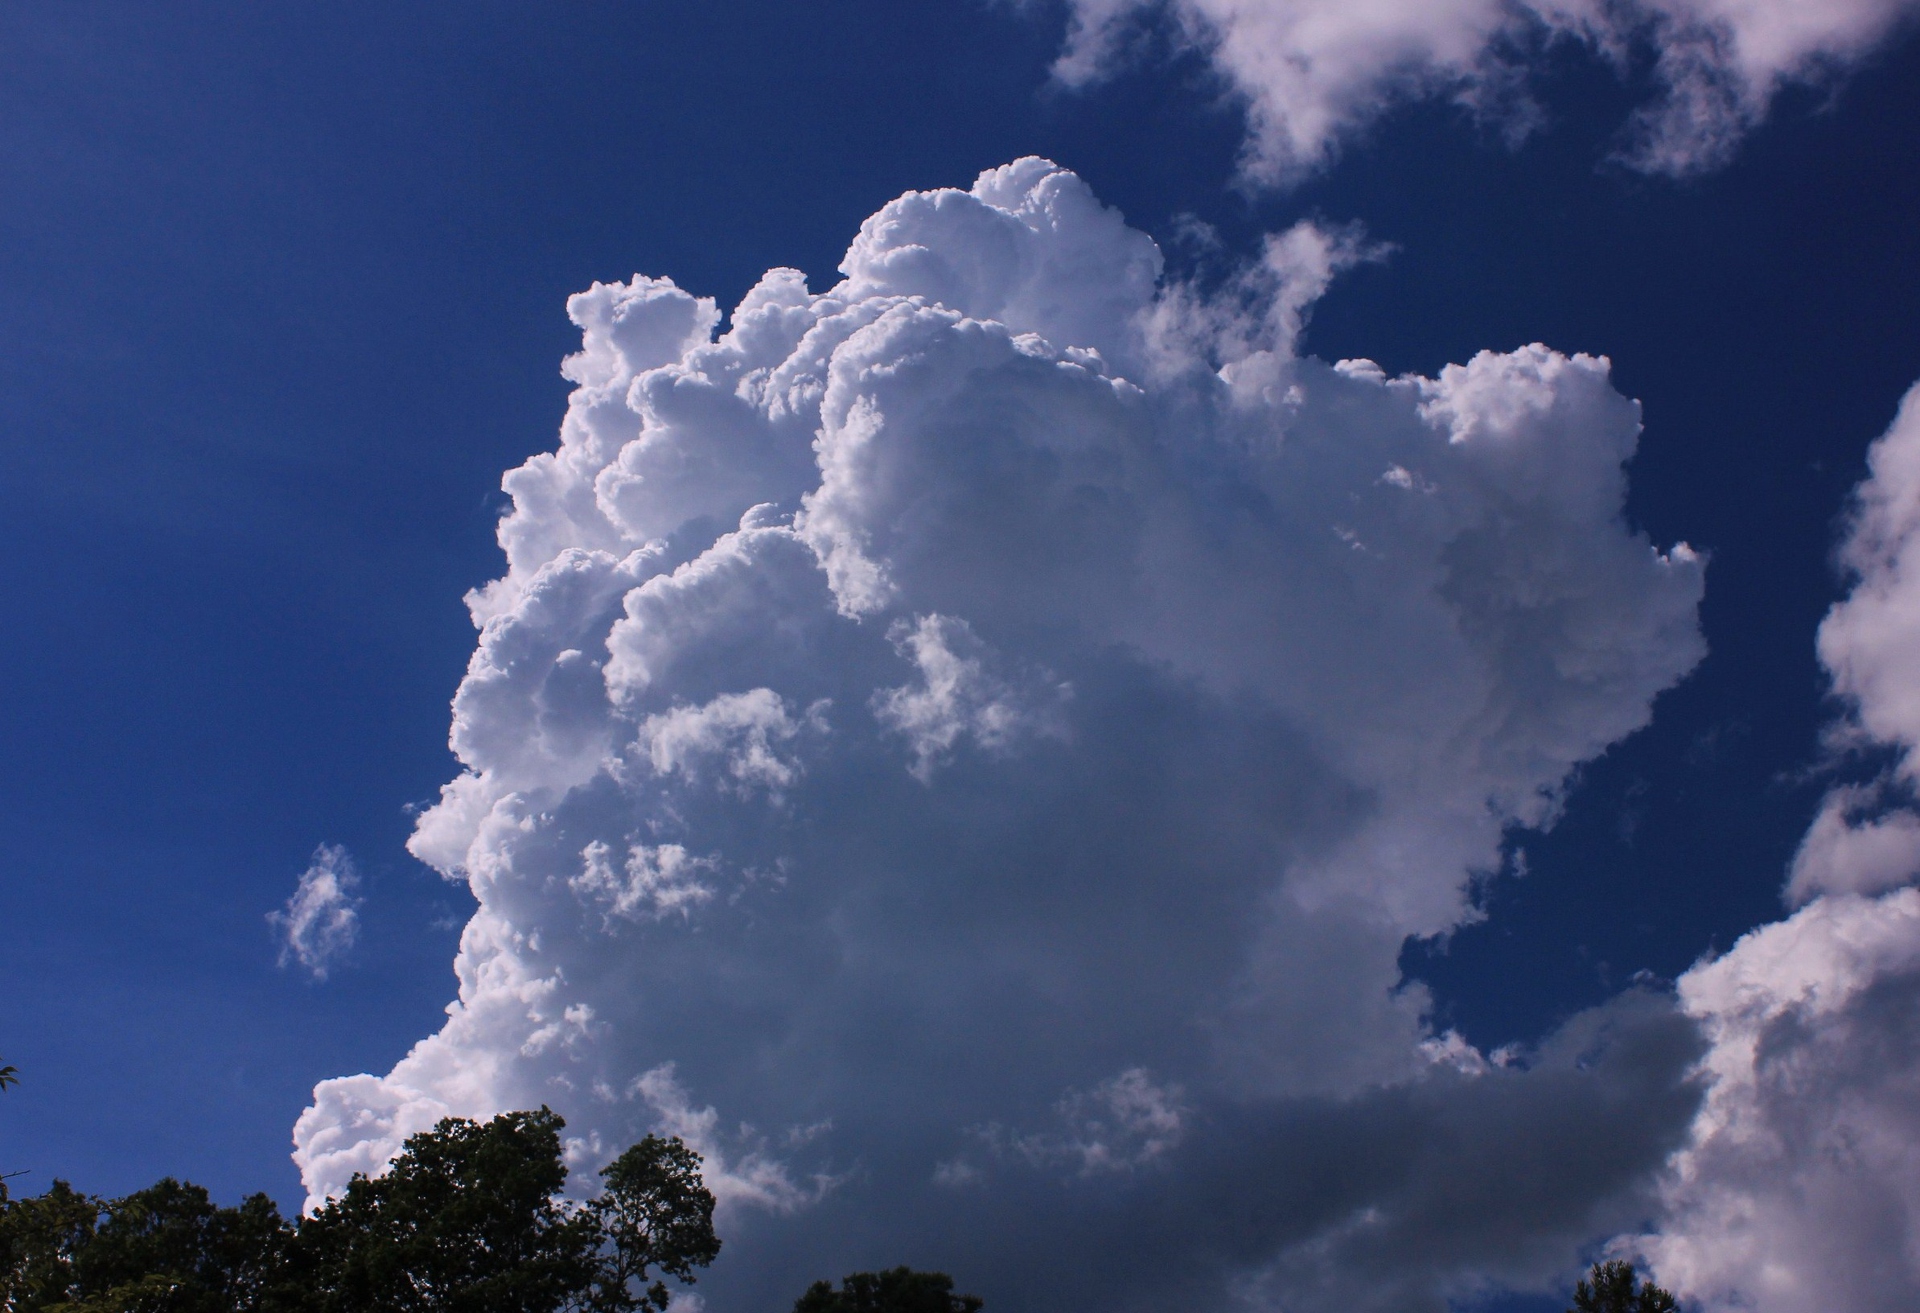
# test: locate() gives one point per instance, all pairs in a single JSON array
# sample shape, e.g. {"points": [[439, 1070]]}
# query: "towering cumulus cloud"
{"points": [[968, 747], [1800, 1192], [1313, 71]]}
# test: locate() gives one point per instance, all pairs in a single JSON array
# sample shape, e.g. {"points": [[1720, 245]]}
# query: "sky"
{"points": [[1204, 654]]}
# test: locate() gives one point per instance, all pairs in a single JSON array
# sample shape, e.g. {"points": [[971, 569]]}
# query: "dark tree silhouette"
{"points": [[39, 1238], [170, 1247], [167, 1247], [465, 1218], [468, 1219], [655, 1214], [897, 1290], [1613, 1288]]}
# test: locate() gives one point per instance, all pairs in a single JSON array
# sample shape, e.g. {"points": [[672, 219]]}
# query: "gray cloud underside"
{"points": [[1397, 1199]]}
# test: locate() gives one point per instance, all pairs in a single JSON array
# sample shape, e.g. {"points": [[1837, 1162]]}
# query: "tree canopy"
{"points": [[897, 1290], [469, 1218], [656, 1215], [166, 1247], [1614, 1288]]}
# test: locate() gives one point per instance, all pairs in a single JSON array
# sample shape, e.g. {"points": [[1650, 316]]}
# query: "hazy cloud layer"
{"points": [[1800, 1191], [322, 919], [969, 746], [1314, 72]]}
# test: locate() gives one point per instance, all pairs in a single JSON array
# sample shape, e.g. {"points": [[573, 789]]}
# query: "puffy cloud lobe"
{"points": [[1315, 71], [1868, 640], [745, 729], [951, 702], [651, 881], [357, 1123], [322, 918], [1855, 846], [1867, 838], [1800, 1187]]}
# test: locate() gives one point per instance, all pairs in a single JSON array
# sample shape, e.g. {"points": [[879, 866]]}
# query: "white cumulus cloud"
{"points": [[322, 918], [1800, 1192], [1314, 72], [1800, 1189], [1868, 641], [953, 700]]}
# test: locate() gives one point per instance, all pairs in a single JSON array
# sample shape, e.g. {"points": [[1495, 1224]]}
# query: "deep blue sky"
{"points": [[282, 293]]}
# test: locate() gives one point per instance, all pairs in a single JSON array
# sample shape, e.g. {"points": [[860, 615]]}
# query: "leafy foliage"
{"points": [[654, 1213], [465, 1219], [167, 1247], [39, 1239], [897, 1290], [170, 1247], [468, 1219], [1613, 1288]]}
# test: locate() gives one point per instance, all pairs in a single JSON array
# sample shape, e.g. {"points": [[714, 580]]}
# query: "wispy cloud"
{"points": [[322, 919], [1314, 72]]}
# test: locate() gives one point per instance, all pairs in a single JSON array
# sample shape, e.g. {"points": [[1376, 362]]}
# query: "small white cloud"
{"points": [[322, 919], [1399, 476], [957, 1174], [1451, 1050], [1124, 1122]]}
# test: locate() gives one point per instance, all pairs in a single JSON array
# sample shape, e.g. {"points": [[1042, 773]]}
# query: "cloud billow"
{"points": [[968, 747]]}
